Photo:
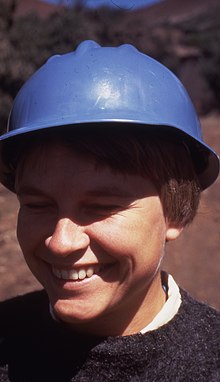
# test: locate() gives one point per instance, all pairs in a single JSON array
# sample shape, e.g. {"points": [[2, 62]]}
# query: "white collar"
{"points": [[169, 309]]}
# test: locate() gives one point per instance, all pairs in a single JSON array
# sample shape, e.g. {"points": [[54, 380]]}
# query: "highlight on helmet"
{"points": [[107, 85]]}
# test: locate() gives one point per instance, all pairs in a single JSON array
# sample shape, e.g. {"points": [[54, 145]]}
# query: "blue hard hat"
{"points": [[107, 84]]}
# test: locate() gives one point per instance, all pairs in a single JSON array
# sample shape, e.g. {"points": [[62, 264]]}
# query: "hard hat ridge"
{"points": [[97, 84]]}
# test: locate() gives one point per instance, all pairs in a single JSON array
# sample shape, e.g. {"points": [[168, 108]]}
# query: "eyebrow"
{"points": [[109, 191], [29, 190]]}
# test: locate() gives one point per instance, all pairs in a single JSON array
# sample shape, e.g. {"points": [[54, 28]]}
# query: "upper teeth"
{"points": [[74, 274]]}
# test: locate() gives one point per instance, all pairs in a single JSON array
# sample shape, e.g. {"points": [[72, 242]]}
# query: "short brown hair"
{"points": [[164, 158]]}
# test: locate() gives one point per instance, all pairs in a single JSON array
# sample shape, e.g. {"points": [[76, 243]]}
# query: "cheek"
{"points": [[30, 230], [24, 231], [111, 234], [136, 233]]}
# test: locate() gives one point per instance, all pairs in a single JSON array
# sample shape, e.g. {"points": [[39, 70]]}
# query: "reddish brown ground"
{"points": [[194, 259]]}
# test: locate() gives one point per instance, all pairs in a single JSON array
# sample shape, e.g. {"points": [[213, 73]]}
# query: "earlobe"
{"points": [[173, 233]]}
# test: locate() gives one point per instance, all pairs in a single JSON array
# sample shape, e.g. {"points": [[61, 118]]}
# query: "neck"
{"points": [[131, 319]]}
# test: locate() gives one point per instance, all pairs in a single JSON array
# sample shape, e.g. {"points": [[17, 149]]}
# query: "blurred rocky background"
{"points": [[185, 36]]}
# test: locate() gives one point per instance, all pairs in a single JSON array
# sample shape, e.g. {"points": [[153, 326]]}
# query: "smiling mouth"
{"points": [[76, 274]]}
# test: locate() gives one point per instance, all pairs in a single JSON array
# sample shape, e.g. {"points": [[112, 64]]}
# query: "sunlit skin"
{"points": [[74, 214]]}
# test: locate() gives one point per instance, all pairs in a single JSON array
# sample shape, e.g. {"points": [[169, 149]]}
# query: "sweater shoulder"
{"points": [[200, 314], [19, 317], [20, 312], [197, 326]]}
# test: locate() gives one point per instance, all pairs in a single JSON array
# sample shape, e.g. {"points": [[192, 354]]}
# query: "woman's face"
{"points": [[94, 239]]}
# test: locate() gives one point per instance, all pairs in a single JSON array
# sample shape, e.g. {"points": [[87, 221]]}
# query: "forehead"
{"points": [[43, 161], [58, 167]]}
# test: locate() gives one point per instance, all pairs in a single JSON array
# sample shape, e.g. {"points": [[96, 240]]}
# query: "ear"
{"points": [[173, 233]]}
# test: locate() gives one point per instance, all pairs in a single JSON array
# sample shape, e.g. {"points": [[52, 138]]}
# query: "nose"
{"points": [[67, 238]]}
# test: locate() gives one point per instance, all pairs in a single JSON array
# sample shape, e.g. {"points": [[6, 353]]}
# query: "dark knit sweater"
{"points": [[33, 347]]}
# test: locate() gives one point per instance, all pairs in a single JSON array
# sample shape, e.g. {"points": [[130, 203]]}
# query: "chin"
{"points": [[73, 312]]}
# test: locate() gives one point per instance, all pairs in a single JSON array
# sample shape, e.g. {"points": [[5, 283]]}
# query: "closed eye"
{"points": [[35, 205], [104, 209]]}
